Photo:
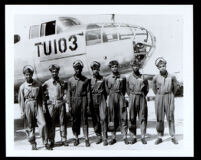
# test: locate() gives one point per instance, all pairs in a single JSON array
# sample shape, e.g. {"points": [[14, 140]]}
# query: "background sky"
{"points": [[168, 30]]}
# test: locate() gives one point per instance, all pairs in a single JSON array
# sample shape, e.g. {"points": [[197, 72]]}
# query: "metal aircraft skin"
{"points": [[64, 39]]}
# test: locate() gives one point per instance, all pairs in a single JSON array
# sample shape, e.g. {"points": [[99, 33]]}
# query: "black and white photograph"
{"points": [[99, 81]]}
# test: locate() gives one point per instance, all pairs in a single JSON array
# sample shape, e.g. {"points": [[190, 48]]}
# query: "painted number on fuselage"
{"points": [[55, 46], [73, 39]]}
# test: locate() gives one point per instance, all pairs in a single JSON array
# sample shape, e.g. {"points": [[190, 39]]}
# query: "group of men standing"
{"points": [[103, 98]]}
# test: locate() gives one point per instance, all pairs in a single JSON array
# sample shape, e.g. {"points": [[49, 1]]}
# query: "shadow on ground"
{"points": [[20, 133], [20, 123]]}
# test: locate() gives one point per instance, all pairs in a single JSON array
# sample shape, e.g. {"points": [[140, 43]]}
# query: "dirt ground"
{"points": [[21, 143]]}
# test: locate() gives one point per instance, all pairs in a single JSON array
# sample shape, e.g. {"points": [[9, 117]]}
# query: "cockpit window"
{"points": [[140, 34], [48, 28], [67, 22], [93, 26], [93, 37], [110, 25], [64, 23], [110, 34], [125, 33], [34, 31], [52, 27]]}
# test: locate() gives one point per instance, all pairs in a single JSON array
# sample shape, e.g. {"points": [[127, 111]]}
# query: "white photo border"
{"points": [[185, 10]]}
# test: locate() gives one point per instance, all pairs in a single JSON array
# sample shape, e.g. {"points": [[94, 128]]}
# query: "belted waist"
{"points": [[164, 93], [115, 91], [81, 95], [137, 92], [97, 93], [55, 100], [30, 99]]}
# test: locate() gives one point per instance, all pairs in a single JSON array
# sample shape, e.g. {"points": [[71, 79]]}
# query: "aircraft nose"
{"points": [[16, 38], [144, 49]]}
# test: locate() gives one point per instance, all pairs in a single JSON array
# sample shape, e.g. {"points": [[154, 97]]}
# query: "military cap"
{"points": [[95, 64], [135, 62], [28, 68], [159, 61], [53, 67], [113, 62], [78, 63]]}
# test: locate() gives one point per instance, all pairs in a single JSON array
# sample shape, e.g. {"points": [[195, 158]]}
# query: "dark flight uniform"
{"points": [[98, 104], [30, 100], [137, 89], [164, 86], [117, 115], [79, 100], [54, 93]]}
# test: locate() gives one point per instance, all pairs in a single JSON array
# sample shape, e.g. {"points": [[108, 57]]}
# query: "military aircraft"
{"points": [[65, 39]]}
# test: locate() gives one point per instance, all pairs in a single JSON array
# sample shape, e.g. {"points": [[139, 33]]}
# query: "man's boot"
{"points": [[65, 143], [76, 142], [51, 145], [47, 146], [133, 141], [105, 143], [126, 141], [158, 141], [34, 146], [99, 140], [173, 139], [143, 140], [87, 143], [113, 141]]}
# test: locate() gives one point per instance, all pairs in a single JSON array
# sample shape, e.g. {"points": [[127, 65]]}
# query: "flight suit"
{"points": [[79, 100], [164, 87], [30, 99], [117, 116], [54, 92], [99, 107], [137, 89]]}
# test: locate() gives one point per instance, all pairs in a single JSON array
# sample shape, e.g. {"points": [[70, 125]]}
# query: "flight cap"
{"points": [[78, 63], [159, 61], [54, 67], [28, 68], [113, 62], [135, 62], [95, 65]]}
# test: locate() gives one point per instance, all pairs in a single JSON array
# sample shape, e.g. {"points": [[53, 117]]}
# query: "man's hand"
{"points": [[88, 110], [22, 115], [49, 102], [70, 111], [107, 102], [44, 109], [64, 101], [123, 109], [126, 103]]}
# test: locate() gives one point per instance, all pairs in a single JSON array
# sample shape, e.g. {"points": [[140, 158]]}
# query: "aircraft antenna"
{"points": [[113, 18]]}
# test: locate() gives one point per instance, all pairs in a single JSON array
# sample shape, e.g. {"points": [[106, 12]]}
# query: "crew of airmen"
{"points": [[101, 97]]}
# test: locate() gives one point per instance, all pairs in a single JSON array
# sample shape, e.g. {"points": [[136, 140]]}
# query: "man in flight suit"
{"points": [[164, 86], [54, 92], [137, 89], [98, 103], [30, 101], [79, 99], [117, 115]]}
